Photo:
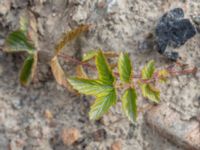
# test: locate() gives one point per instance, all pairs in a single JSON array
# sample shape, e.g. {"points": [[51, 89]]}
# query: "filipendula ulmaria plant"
{"points": [[24, 39], [104, 88]]}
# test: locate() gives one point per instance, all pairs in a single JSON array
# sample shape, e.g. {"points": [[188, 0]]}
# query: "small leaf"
{"points": [[104, 71], [89, 55], [18, 42], [102, 104], [150, 92], [129, 104], [59, 74], [124, 67], [89, 87], [28, 69], [105, 95], [148, 70], [163, 75], [69, 36], [80, 72]]}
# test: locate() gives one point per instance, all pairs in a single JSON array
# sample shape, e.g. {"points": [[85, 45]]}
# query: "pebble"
{"points": [[116, 145], [34, 130], [99, 135], [48, 114], [70, 136], [80, 15], [16, 103], [196, 20]]}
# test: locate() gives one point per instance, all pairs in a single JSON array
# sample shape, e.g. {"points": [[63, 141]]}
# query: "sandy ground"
{"points": [[121, 26]]}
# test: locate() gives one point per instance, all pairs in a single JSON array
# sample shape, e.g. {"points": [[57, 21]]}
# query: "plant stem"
{"points": [[76, 61], [168, 68]]}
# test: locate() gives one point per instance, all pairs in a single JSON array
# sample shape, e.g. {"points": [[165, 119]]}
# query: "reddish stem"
{"points": [[168, 68], [76, 61]]}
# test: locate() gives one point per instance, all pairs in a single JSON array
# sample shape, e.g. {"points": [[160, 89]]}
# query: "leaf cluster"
{"points": [[25, 40], [105, 87]]}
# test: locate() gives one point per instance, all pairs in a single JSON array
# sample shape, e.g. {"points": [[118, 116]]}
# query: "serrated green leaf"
{"points": [[124, 67], [102, 88], [89, 55], [89, 87], [28, 69], [105, 95], [148, 70], [104, 71], [18, 42], [150, 92], [102, 104], [129, 104]]}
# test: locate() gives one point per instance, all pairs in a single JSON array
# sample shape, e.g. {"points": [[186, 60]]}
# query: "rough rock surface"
{"points": [[173, 30], [118, 25]]}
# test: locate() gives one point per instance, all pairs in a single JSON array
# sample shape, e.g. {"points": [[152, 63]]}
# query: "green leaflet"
{"points": [[89, 55], [163, 75], [18, 42], [102, 88], [102, 104], [150, 92], [89, 87], [28, 69], [129, 104], [104, 71], [148, 70], [124, 67]]}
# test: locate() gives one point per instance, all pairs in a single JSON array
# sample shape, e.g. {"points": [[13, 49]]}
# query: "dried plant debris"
{"points": [[173, 30]]}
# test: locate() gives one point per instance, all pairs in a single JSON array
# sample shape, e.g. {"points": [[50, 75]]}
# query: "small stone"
{"points": [[70, 136], [196, 20], [34, 130], [117, 145], [80, 15], [16, 103], [100, 135], [173, 30], [48, 115]]}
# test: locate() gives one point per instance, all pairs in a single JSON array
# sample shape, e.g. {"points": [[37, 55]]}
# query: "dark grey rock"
{"points": [[173, 30]]}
